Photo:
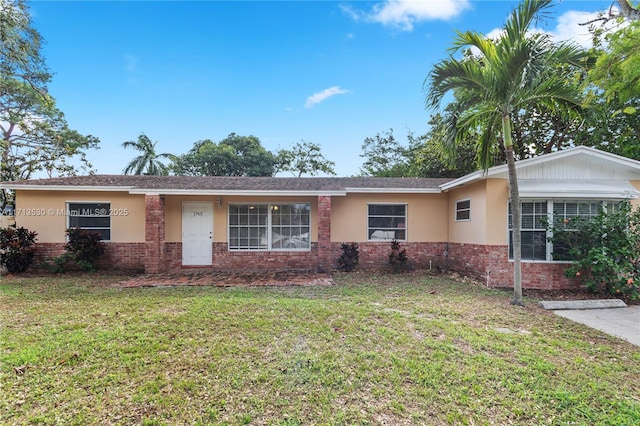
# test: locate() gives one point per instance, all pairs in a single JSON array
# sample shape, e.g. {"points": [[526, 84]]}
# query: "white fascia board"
{"points": [[236, 192], [394, 190], [471, 177], [85, 188]]}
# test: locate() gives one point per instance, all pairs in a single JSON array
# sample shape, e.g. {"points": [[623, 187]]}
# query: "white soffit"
{"points": [[586, 189]]}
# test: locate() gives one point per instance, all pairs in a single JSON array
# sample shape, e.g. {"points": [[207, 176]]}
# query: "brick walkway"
{"points": [[229, 279]]}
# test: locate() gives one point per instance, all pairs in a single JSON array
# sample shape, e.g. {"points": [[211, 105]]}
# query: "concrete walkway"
{"points": [[619, 322]]}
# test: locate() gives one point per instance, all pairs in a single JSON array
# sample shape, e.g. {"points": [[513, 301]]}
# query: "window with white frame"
{"points": [[387, 222], [463, 210], [91, 216], [283, 226], [535, 215]]}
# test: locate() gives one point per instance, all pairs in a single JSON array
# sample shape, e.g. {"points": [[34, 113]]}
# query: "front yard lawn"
{"points": [[388, 349]]}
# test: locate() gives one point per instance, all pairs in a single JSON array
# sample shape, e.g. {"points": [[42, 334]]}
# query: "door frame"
{"points": [[185, 241]]}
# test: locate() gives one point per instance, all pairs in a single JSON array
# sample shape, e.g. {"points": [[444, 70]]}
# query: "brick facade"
{"points": [[120, 256], [375, 255], [489, 264], [154, 234], [325, 261]]}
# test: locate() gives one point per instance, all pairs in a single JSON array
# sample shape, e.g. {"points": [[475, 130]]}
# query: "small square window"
{"points": [[463, 210]]}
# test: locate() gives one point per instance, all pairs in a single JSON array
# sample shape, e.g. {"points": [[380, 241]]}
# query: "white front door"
{"points": [[197, 233]]}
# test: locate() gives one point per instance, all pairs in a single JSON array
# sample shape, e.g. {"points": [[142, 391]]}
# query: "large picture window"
{"points": [[387, 222], [536, 214], [93, 217], [283, 226]]}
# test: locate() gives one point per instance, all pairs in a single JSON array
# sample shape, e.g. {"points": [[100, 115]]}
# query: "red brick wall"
{"points": [[490, 264], [154, 234], [375, 255], [325, 261], [468, 259], [120, 256]]}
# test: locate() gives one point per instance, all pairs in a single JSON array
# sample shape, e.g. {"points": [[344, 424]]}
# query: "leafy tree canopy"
{"points": [[617, 69], [233, 156], [304, 158], [20, 45], [385, 156]]}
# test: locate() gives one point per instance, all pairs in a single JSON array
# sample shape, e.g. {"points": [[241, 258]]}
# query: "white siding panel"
{"points": [[575, 168]]}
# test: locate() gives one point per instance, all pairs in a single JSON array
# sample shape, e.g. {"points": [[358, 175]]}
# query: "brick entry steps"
{"points": [[230, 278]]}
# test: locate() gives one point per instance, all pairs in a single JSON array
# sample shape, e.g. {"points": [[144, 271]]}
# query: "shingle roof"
{"points": [[231, 183]]}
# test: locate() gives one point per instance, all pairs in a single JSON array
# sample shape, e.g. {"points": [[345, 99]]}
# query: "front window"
{"points": [[93, 217], [533, 230], [463, 210], [535, 215], [282, 226], [387, 222]]}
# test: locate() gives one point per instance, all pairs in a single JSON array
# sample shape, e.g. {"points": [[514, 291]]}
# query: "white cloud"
{"points": [[570, 26], [318, 97], [403, 14]]}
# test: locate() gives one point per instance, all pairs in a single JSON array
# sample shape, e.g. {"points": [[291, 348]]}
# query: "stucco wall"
{"points": [[44, 212], [173, 213], [488, 223], [426, 216]]}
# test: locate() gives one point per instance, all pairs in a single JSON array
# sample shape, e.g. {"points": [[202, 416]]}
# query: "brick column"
{"points": [[154, 234], [324, 233]]}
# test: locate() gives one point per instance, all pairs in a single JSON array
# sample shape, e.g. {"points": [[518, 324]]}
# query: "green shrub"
{"points": [[398, 257], [605, 250], [349, 258], [84, 247], [17, 248]]}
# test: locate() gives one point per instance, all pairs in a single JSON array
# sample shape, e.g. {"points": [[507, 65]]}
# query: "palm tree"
{"points": [[148, 162], [516, 71]]}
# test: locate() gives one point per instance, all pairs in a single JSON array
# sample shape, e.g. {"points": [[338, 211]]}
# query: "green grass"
{"points": [[392, 349]]}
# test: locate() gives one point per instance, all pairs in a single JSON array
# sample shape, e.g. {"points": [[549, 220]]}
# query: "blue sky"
{"points": [[328, 72]]}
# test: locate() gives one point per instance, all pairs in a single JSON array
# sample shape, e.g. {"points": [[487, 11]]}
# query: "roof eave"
{"points": [[471, 177], [76, 188], [228, 192], [394, 190]]}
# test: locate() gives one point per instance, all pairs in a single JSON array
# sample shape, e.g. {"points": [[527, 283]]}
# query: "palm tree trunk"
{"points": [[514, 194]]}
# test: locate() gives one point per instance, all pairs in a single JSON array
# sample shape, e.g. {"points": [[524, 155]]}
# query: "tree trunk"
{"points": [[628, 11], [515, 212]]}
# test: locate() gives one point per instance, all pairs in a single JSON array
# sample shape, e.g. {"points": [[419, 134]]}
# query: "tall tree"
{"points": [[384, 156], [20, 45], [34, 134], [233, 156], [304, 158], [511, 73], [429, 158], [148, 162]]}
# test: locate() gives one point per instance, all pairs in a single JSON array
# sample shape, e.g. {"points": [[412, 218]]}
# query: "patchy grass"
{"points": [[388, 349]]}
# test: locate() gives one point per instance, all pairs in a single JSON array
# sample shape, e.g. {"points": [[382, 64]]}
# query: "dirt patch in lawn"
{"points": [[230, 278]]}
